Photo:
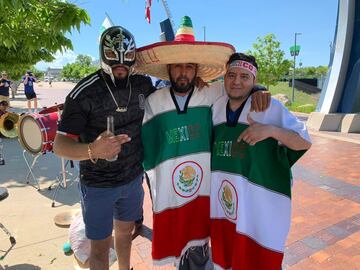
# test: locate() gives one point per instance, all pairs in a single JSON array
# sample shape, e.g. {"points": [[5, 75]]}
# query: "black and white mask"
{"points": [[117, 46]]}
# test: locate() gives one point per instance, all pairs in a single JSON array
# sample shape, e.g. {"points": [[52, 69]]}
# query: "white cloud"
{"points": [[61, 59]]}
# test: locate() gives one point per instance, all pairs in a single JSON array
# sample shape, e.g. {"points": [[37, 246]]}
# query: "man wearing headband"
{"points": [[251, 177], [177, 140]]}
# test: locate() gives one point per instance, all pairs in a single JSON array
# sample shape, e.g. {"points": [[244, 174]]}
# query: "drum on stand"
{"points": [[36, 132], [55, 108]]}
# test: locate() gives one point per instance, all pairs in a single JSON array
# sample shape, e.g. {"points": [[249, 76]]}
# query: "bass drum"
{"points": [[36, 132], [55, 108]]}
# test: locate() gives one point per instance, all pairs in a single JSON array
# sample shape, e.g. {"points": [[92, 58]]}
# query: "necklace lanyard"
{"points": [[119, 109]]}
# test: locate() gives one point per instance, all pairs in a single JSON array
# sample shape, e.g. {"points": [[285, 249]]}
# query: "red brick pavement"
{"points": [[338, 159], [325, 232]]}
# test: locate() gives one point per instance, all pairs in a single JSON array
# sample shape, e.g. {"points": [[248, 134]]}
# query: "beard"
{"points": [[181, 87], [121, 74], [121, 82], [117, 82]]}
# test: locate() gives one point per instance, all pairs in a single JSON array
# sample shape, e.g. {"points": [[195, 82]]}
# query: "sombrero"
{"points": [[210, 56]]}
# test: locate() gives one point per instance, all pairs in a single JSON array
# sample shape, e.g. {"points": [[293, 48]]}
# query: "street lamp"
{"points": [[294, 51]]}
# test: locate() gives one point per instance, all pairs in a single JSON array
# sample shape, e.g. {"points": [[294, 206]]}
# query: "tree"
{"points": [[33, 30], [270, 59], [84, 60], [312, 72], [81, 68], [322, 70]]}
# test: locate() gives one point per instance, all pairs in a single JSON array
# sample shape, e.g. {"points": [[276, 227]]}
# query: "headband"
{"points": [[244, 65]]}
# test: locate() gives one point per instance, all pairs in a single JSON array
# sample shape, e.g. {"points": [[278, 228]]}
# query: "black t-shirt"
{"points": [[85, 111], [4, 89]]}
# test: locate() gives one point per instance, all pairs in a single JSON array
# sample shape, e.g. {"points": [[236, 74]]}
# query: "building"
{"points": [[53, 74]]}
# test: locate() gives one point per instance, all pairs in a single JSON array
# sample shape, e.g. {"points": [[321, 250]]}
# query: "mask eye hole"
{"points": [[129, 56], [110, 54]]}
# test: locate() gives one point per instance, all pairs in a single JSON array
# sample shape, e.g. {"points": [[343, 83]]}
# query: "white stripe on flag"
{"points": [[107, 23], [261, 214], [164, 179]]}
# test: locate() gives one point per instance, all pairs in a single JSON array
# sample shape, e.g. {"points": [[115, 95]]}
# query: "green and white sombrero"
{"points": [[210, 56]]}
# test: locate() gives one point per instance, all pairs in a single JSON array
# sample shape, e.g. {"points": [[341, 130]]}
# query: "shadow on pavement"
{"points": [[24, 266], [47, 172]]}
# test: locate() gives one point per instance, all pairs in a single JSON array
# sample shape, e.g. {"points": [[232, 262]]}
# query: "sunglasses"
{"points": [[4, 103]]}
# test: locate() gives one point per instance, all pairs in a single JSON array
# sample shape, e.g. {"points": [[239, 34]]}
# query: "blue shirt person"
{"points": [[30, 94]]}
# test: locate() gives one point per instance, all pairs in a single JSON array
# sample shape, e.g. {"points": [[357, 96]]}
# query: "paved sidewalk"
{"points": [[325, 231]]}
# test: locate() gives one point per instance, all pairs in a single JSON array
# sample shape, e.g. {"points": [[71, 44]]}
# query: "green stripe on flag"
{"points": [[170, 134], [266, 164]]}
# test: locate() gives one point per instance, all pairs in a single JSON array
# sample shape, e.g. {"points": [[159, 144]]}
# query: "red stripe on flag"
{"points": [[222, 242], [174, 228], [237, 251], [147, 10]]}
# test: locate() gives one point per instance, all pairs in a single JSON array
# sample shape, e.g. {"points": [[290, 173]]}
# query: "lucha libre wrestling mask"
{"points": [[117, 46]]}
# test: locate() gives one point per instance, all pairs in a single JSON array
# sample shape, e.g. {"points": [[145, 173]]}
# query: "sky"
{"points": [[236, 22]]}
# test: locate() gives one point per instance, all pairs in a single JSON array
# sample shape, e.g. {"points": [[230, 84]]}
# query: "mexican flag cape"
{"points": [[251, 190], [177, 158]]}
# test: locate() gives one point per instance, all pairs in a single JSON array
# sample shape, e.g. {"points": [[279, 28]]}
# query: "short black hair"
{"points": [[4, 103], [243, 57]]}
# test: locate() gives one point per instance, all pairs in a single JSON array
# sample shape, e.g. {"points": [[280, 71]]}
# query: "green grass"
{"points": [[301, 98]]}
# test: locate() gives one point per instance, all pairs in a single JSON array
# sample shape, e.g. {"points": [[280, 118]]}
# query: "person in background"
{"points": [[4, 87], [4, 105], [14, 87], [28, 80]]}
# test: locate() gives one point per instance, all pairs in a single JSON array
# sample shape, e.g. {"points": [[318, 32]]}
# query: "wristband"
{"points": [[93, 160]]}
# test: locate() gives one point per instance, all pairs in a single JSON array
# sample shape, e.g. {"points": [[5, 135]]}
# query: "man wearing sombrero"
{"points": [[177, 139]]}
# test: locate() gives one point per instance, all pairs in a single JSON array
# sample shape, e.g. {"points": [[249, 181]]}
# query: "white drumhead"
{"points": [[31, 135]]}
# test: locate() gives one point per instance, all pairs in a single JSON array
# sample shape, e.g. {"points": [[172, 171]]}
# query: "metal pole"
{"points": [[204, 33], [293, 78], [167, 10], [63, 171], [107, 15]]}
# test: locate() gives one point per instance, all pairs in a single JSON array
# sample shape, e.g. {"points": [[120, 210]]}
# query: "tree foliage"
{"points": [[270, 59], [33, 30], [311, 72], [81, 68], [17, 74]]}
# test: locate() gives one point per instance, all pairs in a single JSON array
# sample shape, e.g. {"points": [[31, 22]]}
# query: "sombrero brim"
{"points": [[210, 56]]}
